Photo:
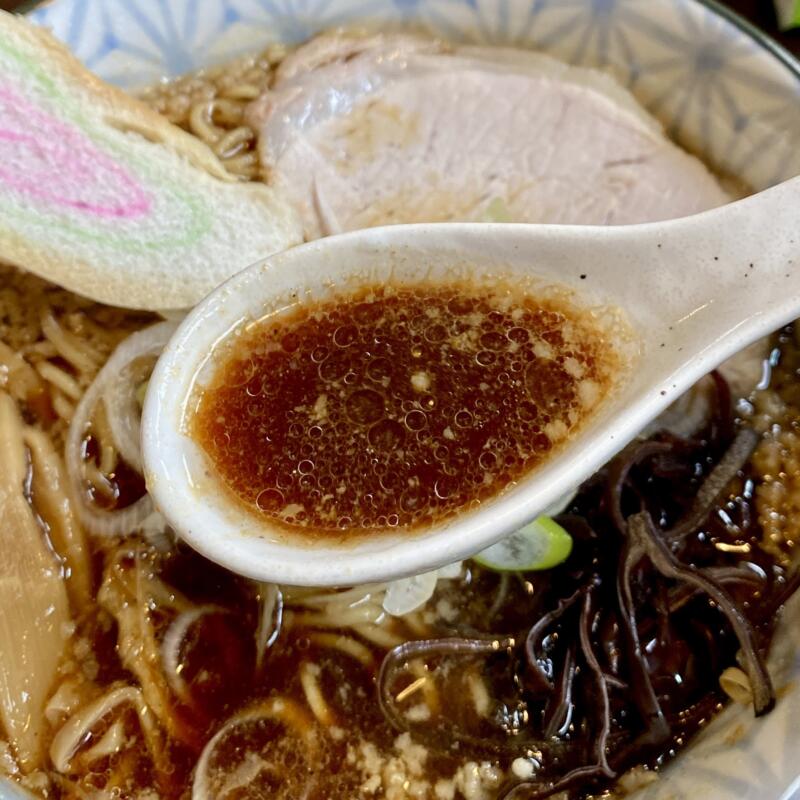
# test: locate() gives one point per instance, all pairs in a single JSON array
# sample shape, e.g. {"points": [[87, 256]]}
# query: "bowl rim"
{"points": [[750, 29]]}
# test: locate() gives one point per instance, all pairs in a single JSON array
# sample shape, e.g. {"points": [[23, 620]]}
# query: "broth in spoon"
{"points": [[394, 407]]}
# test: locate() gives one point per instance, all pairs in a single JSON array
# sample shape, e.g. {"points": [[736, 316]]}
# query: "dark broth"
{"points": [[398, 407]]}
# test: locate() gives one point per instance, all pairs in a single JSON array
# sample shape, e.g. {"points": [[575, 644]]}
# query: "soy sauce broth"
{"points": [[396, 407]]}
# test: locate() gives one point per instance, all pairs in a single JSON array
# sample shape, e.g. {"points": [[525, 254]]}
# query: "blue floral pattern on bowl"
{"points": [[721, 90], [719, 87]]}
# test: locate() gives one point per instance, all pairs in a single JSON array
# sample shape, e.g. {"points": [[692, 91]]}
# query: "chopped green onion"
{"points": [[788, 13], [541, 544]]}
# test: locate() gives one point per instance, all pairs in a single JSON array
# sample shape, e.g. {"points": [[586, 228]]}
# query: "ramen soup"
{"points": [[396, 407], [132, 668]]}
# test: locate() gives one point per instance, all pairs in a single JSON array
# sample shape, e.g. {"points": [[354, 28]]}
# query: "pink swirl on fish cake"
{"points": [[58, 164]]}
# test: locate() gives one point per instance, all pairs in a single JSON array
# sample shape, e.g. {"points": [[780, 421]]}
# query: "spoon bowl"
{"points": [[694, 290]]}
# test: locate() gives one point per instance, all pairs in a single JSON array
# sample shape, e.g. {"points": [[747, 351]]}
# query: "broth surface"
{"points": [[397, 407]]}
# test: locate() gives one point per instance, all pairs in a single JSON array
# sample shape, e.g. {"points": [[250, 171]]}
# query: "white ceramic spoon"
{"points": [[695, 291]]}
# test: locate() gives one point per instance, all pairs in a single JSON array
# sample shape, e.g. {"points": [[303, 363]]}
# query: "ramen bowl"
{"points": [[721, 89]]}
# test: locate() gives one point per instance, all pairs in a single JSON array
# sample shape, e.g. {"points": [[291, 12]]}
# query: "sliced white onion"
{"points": [[277, 708], [408, 594], [269, 620], [119, 394], [73, 733], [171, 649], [150, 341], [157, 532], [63, 702], [450, 571], [202, 788], [111, 743], [11, 790], [124, 417]]}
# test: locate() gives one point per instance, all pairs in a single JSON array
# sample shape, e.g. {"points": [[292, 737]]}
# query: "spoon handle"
{"points": [[739, 264], [701, 287]]}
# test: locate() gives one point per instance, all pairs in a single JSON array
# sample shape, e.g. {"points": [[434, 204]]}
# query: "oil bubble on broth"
{"points": [[395, 407]]}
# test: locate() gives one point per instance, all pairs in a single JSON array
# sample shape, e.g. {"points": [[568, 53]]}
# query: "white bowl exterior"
{"points": [[718, 88]]}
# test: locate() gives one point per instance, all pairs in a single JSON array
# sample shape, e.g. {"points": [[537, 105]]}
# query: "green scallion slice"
{"points": [[541, 544]]}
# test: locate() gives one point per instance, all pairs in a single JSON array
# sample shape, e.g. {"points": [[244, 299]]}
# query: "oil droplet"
{"points": [[345, 335], [334, 367], [435, 333], [487, 460], [284, 480], [416, 420], [379, 369], [319, 354], [386, 435], [464, 418], [270, 500], [222, 440], [446, 486], [365, 406], [493, 341], [254, 386]]}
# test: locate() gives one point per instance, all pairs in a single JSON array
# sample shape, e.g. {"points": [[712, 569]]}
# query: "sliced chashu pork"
{"points": [[387, 129]]}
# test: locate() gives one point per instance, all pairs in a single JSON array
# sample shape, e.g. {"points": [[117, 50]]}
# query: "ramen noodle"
{"points": [[211, 104]]}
